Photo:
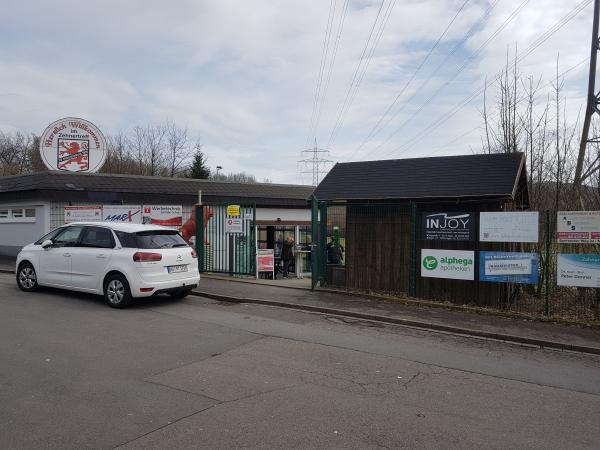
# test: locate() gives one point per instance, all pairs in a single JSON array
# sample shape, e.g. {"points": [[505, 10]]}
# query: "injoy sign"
{"points": [[448, 226]]}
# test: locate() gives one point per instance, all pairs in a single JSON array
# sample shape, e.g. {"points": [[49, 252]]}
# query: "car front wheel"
{"points": [[116, 291], [27, 278]]}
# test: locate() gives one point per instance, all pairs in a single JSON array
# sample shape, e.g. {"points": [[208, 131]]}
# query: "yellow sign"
{"points": [[233, 210]]}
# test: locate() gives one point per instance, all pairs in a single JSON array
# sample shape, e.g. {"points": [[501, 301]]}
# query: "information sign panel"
{"points": [[578, 270], [579, 227], [448, 226], [455, 264], [508, 267], [509, 226]]}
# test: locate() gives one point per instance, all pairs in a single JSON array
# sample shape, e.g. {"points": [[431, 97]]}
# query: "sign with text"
{"points": [[122, 213], [455, 264], [233, 210], [234, 225], [448, 226], [578, 270], [165, 215], [265, 260], [579, 227], [508, 267], [508, 226], [83, 213], [73, 145]]}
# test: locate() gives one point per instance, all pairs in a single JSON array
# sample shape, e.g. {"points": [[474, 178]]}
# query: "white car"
{"points": [[121, 261]]}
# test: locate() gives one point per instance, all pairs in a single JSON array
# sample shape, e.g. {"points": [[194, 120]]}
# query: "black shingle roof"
{"points": [[474, 176], [70, 182]]}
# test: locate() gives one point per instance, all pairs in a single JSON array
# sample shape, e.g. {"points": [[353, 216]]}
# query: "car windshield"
{"points": [[157, 239]]}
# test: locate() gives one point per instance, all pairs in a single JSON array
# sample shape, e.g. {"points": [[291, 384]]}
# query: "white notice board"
{"points": [[509, 226]]}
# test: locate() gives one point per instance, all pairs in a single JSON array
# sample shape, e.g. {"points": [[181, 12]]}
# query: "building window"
{"points": [[17, 215]]}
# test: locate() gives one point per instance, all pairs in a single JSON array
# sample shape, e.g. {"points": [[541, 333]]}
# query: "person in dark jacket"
{"points": [[287, 255]]}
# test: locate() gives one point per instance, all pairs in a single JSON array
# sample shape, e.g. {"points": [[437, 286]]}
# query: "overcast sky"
{"points": [[241, 75]]}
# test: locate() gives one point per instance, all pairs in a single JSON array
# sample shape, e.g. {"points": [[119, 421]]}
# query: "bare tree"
{"points": [[240, 177], [177, 149], [16, 153], [538, 127]]}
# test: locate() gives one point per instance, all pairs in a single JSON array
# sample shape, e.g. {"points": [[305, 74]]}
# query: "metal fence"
{"points": [[222, 249], [382, 245]]}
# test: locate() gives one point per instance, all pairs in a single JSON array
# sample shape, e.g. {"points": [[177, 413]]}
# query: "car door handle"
{"points": [[101, 255], [68, 255]]}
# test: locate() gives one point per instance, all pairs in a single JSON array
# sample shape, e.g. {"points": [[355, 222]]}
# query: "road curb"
{"points": [[406, 322]]}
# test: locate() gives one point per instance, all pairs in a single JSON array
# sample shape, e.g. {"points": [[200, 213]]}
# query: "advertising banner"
{"points": [[265, 260], [448, 226], [83, 213], [579, 227], [165, 215], [455, 264], [508, 226], [578, 270], [122, 213], [234, 226], [508, 267]]}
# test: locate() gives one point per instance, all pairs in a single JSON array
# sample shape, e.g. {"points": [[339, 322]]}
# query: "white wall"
{"points": [[15, 235], [297, 215]]}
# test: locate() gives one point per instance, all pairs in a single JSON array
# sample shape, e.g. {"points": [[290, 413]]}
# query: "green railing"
{"points": [[226, 243]]}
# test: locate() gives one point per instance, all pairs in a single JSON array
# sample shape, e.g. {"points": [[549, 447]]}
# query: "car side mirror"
{"points": [[47, 243]]}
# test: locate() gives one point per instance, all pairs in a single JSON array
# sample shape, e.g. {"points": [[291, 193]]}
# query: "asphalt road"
{"points": [[203, 374]]}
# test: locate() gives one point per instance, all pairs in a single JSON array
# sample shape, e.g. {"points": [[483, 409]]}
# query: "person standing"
{"points": [[287, 255]]}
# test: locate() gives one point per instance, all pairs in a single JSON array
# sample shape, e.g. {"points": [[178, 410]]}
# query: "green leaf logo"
{"points": [[430, 262]]}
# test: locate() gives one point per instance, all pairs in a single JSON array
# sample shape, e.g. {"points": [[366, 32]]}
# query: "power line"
{"points": [[532, 47], [340, 28], [321, 68], [365, 56], [375, 129], [502, 26]]}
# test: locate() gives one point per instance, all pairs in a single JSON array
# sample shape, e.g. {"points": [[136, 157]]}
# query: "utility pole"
{"points": [[315, 161], [593, 99]]}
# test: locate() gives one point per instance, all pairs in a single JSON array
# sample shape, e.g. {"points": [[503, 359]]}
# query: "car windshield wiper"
{"points": [[180, 245]]}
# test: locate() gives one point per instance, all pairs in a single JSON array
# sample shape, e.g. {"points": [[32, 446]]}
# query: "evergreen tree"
{"points": [[199, 168]]}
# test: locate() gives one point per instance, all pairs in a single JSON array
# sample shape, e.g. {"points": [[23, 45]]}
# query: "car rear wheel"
{"points": [[116, 291], [180, 294], [27, 278]]}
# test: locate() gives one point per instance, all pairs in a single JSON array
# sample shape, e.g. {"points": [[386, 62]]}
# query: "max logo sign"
{"points": [[448, 226], [125, 217]]}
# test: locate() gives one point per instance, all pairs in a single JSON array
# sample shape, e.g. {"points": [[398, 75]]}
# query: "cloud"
{"points": [[241, 75]]}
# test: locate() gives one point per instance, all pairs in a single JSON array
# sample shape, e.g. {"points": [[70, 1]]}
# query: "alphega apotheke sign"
{"points": [[455, 264]]}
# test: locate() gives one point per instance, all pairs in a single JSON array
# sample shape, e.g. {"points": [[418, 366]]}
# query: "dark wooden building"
{"points": [[383, 203]]}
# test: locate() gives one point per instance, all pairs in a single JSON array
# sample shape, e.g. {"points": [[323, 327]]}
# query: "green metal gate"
{"points": [[225, 242]]}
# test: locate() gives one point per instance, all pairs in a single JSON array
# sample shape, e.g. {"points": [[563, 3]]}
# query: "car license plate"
{"points": [[177, 269]]}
